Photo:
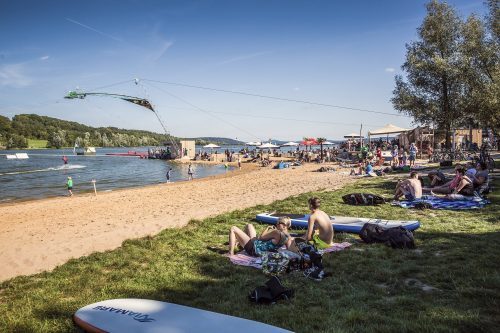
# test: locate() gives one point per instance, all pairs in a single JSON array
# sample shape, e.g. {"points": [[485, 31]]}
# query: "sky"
{"points": [[341, 53]]}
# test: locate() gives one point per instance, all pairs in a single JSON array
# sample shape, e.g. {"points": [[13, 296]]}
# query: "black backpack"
{"points": [[272, 292], [397, 237], [364, 199]]}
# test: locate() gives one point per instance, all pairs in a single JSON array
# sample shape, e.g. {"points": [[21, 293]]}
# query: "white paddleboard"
{"points": [[148, 316]]}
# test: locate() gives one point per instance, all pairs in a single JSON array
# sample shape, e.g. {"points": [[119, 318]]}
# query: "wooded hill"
{"points": [[62, 133]]}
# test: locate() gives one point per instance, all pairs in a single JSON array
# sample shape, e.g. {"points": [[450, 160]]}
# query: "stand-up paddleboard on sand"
{"points": [[148, 316], [339, 223]]}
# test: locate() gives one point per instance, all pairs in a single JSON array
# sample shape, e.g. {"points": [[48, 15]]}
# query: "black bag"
{"points": [[397, 237], [272, 292], [363, 199]]}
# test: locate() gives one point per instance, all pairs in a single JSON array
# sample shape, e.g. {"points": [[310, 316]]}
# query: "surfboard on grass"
{"points": [[339, 223], [149, 316]]}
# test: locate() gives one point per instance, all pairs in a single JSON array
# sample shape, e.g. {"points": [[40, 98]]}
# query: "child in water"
{"points": [[69, 184]]}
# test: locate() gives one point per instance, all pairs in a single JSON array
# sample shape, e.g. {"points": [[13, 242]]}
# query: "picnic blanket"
{"points": [[243, 259], [446, 203]]}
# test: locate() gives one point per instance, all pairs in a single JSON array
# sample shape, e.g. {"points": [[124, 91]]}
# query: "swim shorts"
{"points": [[319, 243], [250, 247]]}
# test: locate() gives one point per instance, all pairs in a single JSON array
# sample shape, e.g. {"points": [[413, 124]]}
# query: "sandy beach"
{"points": [[39, 235]]}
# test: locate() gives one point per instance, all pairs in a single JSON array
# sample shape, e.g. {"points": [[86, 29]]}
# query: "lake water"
{"points": [[44, 174]]}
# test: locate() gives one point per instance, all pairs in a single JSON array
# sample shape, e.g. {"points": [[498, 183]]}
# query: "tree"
{"points": [[5, 128], [57, 139], [480, 50], [433, 87], [320, 141], [17, 141]]}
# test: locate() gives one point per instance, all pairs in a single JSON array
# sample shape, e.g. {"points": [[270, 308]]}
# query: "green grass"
{"points": [[457, 252], [36, 144]]}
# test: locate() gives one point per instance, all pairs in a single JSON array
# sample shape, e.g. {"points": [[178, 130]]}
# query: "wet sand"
{"points": [[39, 235]]}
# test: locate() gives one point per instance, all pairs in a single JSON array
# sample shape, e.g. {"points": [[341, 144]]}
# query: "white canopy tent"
{"points": [[328, 143], [386, 130]]}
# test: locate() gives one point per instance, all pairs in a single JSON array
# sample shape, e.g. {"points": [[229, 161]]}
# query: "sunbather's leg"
{"points": [[250, 230], [441, 190], [237, 236]]}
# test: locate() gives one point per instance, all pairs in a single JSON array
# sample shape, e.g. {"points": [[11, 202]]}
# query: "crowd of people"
{"points": [[468, 180]]}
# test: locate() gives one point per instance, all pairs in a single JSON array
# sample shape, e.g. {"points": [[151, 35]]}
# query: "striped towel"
{"points": [[445, 203]]}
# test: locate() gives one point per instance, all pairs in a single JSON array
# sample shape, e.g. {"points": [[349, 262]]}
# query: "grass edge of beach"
{"points": [[451, 282]]}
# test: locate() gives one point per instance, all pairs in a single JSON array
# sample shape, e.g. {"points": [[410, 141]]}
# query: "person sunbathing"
{"points": [[450, 186], [319, 221], [410, 188], [270, 240], [464, 187]]}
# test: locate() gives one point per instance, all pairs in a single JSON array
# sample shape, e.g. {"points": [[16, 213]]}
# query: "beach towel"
{"points": [[445, 203], [243, 259]]}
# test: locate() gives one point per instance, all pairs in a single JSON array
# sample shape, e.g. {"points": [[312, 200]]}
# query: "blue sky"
{"points": [[333, 52]]}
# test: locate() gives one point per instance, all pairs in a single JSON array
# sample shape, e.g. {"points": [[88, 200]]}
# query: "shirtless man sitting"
{"points": [[411, 188], [319, 226]]}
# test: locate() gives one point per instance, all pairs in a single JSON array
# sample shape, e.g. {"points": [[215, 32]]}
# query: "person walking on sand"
{"points": [[239, 162], [169, 173], [69, 185], [190, 172]]}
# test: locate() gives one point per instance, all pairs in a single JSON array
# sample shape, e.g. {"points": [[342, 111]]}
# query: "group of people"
{"points": [[467, 181], [319, 232]]}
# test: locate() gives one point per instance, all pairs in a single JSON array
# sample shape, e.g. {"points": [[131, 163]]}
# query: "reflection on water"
{"points": [[44, 174]]}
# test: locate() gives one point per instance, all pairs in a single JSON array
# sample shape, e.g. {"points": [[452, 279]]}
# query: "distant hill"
{"points": [[56, 133], [217, 140]]}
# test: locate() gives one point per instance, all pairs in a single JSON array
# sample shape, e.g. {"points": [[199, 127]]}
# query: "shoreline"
{"points": [[39, 235]]}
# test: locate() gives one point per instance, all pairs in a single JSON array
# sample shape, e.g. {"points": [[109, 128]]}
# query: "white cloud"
{"points": [[390, 70], [14, 75], [44, 57], [296, 89]]}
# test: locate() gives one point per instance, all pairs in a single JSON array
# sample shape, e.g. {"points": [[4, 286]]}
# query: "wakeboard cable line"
{"points": [[135, 100], [275, 98], [205, 111]]}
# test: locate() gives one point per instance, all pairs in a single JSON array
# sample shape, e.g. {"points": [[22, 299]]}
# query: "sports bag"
{"points": [[365, 199], [397, 237], [272, 292]]}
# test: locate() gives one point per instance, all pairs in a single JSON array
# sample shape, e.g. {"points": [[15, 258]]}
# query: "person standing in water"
{"points": [[190, 172], [69, 185], [65, 159], [169, 173]]}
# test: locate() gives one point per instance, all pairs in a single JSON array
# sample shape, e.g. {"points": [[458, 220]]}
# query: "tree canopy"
{"points": [[451, 72]]}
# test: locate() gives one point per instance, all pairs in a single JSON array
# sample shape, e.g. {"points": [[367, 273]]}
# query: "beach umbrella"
{"points": [[290, 144], [251, 143], [267, 145], [211, 145]]}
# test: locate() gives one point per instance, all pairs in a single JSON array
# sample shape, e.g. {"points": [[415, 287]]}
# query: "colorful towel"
{"points": [[445, 203], [243, 259]]}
